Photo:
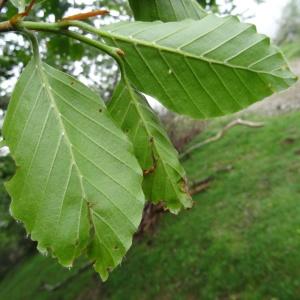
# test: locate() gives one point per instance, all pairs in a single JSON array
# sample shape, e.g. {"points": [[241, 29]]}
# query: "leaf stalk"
{"points": [[62, 27]]}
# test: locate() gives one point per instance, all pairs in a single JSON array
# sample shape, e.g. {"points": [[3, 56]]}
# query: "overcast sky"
{"points": [[267, 15]]}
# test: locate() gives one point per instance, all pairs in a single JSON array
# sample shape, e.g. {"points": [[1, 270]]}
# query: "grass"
{"points": [[291, 50], [27, 281], [240, 241]]}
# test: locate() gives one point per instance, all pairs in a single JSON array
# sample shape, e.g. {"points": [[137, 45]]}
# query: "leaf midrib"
{"points": [[137, 106], [48, 88], [71, 147], [137, 42], [91, 212], [60, 118]]}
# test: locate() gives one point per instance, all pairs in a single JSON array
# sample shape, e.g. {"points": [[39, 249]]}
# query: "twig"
{"points": [[29, 8], [10, 24], [84, 16], [5, 26], [201, 186], [151, 215], [220, 134]]}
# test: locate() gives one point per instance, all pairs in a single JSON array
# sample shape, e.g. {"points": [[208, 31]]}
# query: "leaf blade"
{"points": [[164, 177], [166, 11], [185, 64], [77, 186], [20, 4]]}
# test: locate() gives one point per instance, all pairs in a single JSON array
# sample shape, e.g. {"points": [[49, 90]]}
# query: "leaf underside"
{"points": [[77, 187], [166, 11], [153, 149], [164, 178], [20, 4], [205, 68]]}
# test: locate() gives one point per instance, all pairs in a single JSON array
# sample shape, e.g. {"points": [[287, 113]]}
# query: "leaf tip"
{"points": [[103, 272]]}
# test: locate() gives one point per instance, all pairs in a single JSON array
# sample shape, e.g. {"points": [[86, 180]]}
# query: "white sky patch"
{"points": [[3, 150], [266, 15]]}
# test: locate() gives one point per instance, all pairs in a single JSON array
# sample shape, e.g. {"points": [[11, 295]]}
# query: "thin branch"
{"points": [[201, 186], [220, 134], [84, 16], [28, 9], [11, 24], [5, 26], [61, 28]]}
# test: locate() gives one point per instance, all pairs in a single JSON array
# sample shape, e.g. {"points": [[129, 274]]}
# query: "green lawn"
{"points": [[291, 50], [27, 281], [240, 241]]}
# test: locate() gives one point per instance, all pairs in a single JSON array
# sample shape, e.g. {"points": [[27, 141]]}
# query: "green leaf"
{"points": [[2, 144], [206, 68], [166, 11], [77, 187], [164, 177], [20, 4]]}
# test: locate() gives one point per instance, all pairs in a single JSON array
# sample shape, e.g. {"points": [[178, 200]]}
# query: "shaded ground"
{"points": [[240, 241]]}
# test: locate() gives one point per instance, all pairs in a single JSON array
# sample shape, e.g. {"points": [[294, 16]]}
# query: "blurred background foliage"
{"points": [[288, 36]]}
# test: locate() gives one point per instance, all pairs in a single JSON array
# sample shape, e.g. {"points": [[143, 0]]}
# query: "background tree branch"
{"points": [[220, 134]]}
